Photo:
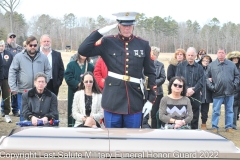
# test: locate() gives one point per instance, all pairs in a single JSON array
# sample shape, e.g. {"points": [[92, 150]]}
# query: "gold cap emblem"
{"points": [[127, 14]]}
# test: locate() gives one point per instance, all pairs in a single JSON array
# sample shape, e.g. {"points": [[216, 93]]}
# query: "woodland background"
{"points": [[163, 32]]}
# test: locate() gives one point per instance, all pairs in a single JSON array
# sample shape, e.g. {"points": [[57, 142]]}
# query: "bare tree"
{"points": [[10, 6]]}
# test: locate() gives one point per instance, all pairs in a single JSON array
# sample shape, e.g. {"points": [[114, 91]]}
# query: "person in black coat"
{"points": [[206, 94], [194, 75], [56, 62], [235, 58], [179, 56], [5, 62]]}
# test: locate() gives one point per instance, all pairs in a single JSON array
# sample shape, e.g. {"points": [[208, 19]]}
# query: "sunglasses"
{"points": [[177, 85], [88, 81], [12, 37], [32, 45]]}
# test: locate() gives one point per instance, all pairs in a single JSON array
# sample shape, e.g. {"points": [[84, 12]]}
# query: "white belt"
{"points": [[128, 78], [124, 77]]}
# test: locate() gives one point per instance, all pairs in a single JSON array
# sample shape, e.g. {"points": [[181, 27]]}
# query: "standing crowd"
{"points": [[124, 88]]}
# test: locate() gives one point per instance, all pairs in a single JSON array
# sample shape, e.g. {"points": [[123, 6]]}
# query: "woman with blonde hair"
{"points": [[179, 56]]}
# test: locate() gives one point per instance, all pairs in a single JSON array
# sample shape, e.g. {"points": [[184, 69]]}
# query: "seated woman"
{"points": [[86, 108], [175, 109], [39, 103]]}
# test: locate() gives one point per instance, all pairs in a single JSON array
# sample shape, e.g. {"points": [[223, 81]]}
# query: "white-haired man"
{"points": [[194, 76]]}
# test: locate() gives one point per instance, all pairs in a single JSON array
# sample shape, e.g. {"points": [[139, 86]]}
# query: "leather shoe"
{"points": [[16, 114]]}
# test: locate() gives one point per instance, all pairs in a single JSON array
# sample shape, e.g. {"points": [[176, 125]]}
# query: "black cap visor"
{"points": [[126, 22]]}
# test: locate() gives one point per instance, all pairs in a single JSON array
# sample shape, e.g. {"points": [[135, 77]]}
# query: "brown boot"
{"points": [[203, 127]]}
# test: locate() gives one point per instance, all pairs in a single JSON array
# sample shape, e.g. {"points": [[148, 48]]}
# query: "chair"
{"points": [[159, 122]]}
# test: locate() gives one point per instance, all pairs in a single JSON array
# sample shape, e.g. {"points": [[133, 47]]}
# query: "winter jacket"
{"points": [[23, 69], [46, 106], [171, 71], [79, 110], [225, 78], [230, 56], [100, 72], [6, 61], [206, 96], [160, 76]]}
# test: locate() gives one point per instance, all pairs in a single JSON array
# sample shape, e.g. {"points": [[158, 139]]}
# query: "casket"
{"points": [[90, 143]]}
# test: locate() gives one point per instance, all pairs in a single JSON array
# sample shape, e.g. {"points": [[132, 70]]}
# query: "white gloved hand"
{"points": [[147, 108], [106, 29]]}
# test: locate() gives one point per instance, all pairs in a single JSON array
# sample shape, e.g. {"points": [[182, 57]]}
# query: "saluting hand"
{"points": [[106, 29]]}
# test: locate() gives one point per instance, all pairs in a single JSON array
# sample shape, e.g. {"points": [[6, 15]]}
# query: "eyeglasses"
{"points": [[12, 37], [177, 85], [206, 61], [88, 81], [32, 45]]}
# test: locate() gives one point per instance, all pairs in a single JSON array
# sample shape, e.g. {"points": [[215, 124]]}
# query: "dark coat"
{"points": [[1, 71], [237, 93], [171, 71], [7, 61], [230, 56], [124, 56], [197, 76], [57, 70], [73, 76], [46, 106], [220, 86], [206, 96], [160, 76]]}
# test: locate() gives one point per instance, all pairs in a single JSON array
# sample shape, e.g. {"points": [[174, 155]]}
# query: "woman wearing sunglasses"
{"points": [[73, 76], [86, 108], [175, 110]]}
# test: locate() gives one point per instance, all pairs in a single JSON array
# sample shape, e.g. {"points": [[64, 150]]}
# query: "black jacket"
{"points": [[46, 106], [171, 71], [160, 76], [197, 76], [7, 61], [225, 78], [236, 102], [57, 70], [206, 96], [125, 56], [1, 71]]}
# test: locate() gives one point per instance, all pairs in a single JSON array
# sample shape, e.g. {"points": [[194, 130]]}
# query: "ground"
{"points": [[5, 128]]}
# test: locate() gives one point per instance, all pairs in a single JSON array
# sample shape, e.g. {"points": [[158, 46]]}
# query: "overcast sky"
{"points": [[180, 10]]}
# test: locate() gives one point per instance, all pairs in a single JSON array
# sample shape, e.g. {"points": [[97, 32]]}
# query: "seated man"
{"points": [[39, 103]]}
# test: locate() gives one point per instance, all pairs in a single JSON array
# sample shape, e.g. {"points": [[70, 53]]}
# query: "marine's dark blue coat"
{"points": [[125, 56]]}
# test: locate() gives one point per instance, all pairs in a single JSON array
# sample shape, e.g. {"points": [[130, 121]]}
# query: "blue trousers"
{"points": [[228, 103], [19, 100], [14, 101], [113, 120]]}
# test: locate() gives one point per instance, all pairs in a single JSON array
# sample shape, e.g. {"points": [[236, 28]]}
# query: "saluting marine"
{"points": [[125, 55]]}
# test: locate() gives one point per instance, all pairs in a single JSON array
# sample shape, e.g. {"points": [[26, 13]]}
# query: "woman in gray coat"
{"points": [[39, 103], [160, 79]]}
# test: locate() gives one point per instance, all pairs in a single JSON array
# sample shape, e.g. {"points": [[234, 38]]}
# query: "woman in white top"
{"points": [[86, 108]]}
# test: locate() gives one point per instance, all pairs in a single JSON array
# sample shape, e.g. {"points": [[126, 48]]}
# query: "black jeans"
{"points": [[204, 112], [155, 108], [195, 108]]}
